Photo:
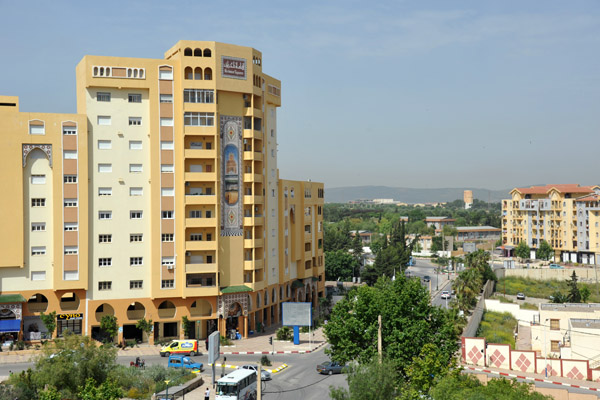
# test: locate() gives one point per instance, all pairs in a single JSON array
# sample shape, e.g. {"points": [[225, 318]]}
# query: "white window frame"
{"points": [[167, 214], [71, 202], [105, 238], [194, 118], [135, 145], [69, 178], [136, 261], [135, 236], [103, 97], [70, 154], [38, 250], [104, 262], [104, 285], [38, 202], [37, 129], [69, 130], [71, 226], [136, 168], [166, 122], [168, 261], [38, 179], [135, 121], [104, 120], [136, 284], [167, 237], [136, 191], [71, 250], [106, 214], [134, 97], [104, 168], [167, 192], [166, 168], [167, 145], [38, 227], [104, 144], [104, 191], [166, 98], [38, 275], [165, 75], [133, 214]]}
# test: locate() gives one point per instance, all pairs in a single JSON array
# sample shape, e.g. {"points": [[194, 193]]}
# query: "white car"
{"points": [[445, 295], [264, 375]]}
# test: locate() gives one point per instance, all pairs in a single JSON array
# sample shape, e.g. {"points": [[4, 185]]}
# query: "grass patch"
{"points": [[498, 327], [542, 289], [502, 298], [529, 306]]}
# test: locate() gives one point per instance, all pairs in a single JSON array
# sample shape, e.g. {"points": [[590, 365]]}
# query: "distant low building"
{"points": [[365, 236], [439, 222], [468, 198], [383, 201], [471, 233]]}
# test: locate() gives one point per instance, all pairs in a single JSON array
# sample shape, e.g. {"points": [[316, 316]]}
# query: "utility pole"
{"points": [[259, 383], [379, 339]]}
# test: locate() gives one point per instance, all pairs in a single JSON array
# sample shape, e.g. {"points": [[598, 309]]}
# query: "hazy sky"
{"points": [[492, 94]]}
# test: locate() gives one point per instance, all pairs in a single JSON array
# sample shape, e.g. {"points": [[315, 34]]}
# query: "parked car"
{"points": [[426, 278], [264, 375], [330, 367], [179, 361], [556, 266], [445, 295], [520, 296]]}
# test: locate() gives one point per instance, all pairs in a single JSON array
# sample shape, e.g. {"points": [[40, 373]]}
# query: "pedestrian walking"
{"points": [[207, 393]]}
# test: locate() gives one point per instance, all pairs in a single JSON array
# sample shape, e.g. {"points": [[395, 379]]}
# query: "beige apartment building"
{"points": [[181, 211], [566, 216]]}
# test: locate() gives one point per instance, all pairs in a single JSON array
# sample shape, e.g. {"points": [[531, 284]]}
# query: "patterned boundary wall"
{"points": [[523, 360], [475, 351]]}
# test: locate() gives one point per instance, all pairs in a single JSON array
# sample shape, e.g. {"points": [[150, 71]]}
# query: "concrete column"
{"points": [[245, 327]]}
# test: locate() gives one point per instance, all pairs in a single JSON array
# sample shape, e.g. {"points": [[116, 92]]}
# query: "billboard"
{"points": [[233, 67], [296, 314], [214, 341]]}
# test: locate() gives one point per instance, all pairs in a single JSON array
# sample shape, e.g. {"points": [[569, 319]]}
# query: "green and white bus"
{"points": [[238, 385]]}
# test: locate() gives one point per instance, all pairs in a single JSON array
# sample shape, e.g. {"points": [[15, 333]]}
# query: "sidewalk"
{"points": [[254, 344], [531, 377]]}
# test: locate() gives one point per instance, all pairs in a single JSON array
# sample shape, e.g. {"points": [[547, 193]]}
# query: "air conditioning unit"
{"points": [[188, 253], [187, 184], [170, 267], [245, 97]]}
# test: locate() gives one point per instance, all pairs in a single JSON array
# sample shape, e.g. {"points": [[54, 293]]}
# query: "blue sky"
{"points": [[492, 94]]}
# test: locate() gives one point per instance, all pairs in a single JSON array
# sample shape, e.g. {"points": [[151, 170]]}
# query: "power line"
{"points": [[300, 388]]}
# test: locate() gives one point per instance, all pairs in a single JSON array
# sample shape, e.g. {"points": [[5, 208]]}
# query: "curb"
{"points": [[276, 352], [526, 378], [272, 371]]}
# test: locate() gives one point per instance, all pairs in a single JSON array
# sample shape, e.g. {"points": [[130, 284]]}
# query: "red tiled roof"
{"points": [[592, 197], [563, 188]]}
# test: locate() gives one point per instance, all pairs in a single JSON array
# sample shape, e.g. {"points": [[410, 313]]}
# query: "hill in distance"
{"points": [[410, 195]]}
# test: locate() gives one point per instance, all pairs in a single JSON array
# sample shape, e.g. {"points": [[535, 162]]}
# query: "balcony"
{"points": [[253, 155], [200, 245], [206, 199], [252, 134], [200, 130], [253, 178], [253, 221], [200, 153], [251, 265], [200, 222], [200, 176], [251, 243], [201, 268], [254, 200]]}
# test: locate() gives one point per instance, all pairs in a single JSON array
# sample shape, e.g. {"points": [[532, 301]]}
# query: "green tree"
{"points": [[545, 251], [108, 390], [187, 326], [574, 295], [145, 326], [467, 286], [339, 264], [409, 321], [369, 381], [585, 294], [49, 321], [66, 365], [459, 386], [50, 393], [559, 297], [110, 326], [424, 371], [522, 250], [357, 248]]}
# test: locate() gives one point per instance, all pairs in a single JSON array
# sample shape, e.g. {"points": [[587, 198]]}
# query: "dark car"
{"points": [[330, 367], [426, 278]]}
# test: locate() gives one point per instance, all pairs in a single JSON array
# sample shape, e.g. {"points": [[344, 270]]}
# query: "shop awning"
{"points": [[11, 298], [10, 325], [297, 284], [235, 289]]}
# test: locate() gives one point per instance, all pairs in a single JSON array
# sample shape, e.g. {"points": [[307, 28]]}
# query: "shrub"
{"points": [[225, 341], [284, 333], [264, 360], [130, 343]]}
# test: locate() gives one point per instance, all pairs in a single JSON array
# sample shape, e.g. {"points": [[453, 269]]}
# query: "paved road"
{"points": [[438, 281]]}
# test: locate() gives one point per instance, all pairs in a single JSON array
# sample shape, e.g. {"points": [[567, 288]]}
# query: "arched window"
{"points": [[207, 74], [188, 73], [187, 52], [197, 52], [207, 53], [198, 73]]}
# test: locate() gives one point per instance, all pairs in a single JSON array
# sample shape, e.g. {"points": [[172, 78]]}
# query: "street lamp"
{"points": [[167, 392]]}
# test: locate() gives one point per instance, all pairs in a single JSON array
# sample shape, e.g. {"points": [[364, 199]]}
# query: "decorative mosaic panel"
{"points": [[46, 148], [8, 309], [231, 194], [229, 305]]}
